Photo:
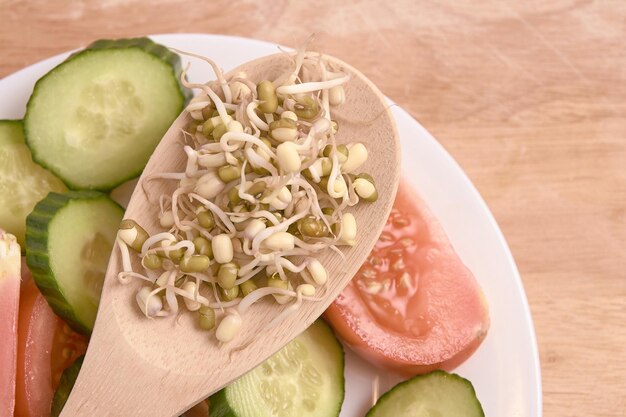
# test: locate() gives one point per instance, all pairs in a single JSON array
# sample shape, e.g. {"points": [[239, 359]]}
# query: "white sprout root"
{"points": [[264, 192]]}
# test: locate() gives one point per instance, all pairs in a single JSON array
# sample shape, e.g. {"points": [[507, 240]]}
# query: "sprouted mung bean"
{"points": [[265, 184]]}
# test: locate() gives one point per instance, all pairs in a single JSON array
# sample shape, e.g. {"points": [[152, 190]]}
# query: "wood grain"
{"points": [[529, 97]]}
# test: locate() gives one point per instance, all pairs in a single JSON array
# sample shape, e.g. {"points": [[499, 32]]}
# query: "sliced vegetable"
{"points": [[68, 379], [435, 394], [68, 242], [413, 307], [22, 182], [95, 119], [9, 300], [304, 379], [46, 347]]}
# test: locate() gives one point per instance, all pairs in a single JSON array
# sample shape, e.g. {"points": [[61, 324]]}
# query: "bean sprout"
{"points": [[264, 192]]}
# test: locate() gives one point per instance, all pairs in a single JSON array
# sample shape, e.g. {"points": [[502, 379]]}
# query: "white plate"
{"points": [[505, 370]]}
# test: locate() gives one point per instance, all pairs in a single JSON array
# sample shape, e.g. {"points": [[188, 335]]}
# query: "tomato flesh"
{"points": [[9, 302], [413, 306], [46, 346]]}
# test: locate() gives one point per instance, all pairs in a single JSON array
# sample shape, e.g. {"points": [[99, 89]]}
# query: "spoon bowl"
{"points": [[163, 366]]}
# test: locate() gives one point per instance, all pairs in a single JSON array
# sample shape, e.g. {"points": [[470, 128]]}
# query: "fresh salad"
{"points": [[92, 123]]}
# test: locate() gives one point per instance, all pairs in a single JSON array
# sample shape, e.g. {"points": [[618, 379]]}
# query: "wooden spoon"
{"points": [[161, 367]]}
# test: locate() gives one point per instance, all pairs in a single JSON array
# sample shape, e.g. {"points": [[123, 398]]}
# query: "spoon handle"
{"points": [[115, 381]]}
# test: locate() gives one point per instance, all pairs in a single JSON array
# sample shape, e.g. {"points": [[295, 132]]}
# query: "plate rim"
{"points": [[501, 240]]}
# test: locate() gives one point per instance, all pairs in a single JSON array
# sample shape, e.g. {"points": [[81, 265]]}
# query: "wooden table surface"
{"points": [[528, 96]]}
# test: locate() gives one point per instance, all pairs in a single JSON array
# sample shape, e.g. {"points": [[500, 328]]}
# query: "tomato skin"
{"points": [[413, 307], [46, 347]]}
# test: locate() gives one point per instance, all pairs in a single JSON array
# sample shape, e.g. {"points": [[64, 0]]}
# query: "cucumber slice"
{"points": [[304, 379], [22, 182], [69, 238], [68, 379], [95, 119], [11, 132], [435, 394]]}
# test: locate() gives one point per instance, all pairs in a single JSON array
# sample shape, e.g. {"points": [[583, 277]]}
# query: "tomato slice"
{"points": [[413, 306], [46, 346], [9, 302]]}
